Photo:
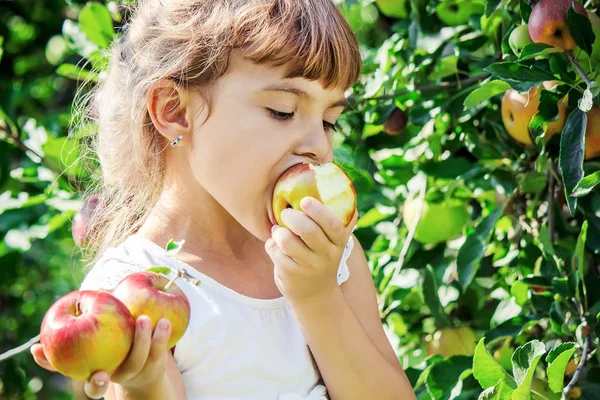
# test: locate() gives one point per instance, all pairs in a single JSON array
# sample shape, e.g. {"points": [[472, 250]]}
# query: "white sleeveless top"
{"points": [[235, 347]]}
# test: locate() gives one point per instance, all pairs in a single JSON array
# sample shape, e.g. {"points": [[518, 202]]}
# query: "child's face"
{"points": [[240, 151]]}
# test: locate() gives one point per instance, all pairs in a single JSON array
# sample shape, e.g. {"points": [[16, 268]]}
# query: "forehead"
{"points": [[247, 75]]}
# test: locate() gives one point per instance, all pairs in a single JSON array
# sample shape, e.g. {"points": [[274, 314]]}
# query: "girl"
{"points": [[205, 104]]}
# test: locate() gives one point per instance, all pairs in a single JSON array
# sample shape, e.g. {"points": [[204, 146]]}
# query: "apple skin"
{"points": [[458, 12], [519, 108], [396, 124], [547, 23], [518, 39], [450, 342], [143, 293], [81, 220], [393, 8], [87, 331], [439, 221], [327, 183], [592, 133]]}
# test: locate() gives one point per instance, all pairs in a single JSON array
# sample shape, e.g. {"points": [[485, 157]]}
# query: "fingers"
{"points": [[138, 354], [278, 256], [306, 228], [96, 385], [38, 355], [158, 348], [330, 223]]}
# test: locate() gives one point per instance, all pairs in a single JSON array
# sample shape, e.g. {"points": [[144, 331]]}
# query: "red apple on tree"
{"points": [[86, 331], [547, 23], [148, 293], [327, 183]]}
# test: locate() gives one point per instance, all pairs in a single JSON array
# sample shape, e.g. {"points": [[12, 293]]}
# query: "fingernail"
{"points": [[100, 383], [274, 228]]}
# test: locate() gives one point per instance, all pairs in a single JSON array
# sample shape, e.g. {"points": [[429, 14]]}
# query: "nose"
{"points": [[316, 144]]}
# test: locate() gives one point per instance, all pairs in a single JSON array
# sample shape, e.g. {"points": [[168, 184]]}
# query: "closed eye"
{"points": [[283, 116]]}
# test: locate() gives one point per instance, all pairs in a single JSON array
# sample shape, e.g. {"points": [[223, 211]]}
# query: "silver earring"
{"points": [[177, 140]]}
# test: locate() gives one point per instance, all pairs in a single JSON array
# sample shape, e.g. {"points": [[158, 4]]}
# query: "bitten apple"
{"points": [[86, 331], [327, 183], [146, 293], [547, 23], [519, 108]]}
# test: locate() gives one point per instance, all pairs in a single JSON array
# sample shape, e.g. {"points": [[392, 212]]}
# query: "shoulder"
{"points": [[107, 273]]}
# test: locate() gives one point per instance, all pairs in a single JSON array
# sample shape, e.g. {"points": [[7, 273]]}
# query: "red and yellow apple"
{"points": [[327, 183], [396, 123], [450, 342], [144, 293], [592, 133], [547, 23], [519, 108], [86, 331], [439, 222]]}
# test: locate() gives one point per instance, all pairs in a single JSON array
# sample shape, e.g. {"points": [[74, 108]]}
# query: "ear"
{"points": [[169, 108]]}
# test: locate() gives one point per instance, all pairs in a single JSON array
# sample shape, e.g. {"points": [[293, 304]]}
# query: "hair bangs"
{"points": [[310, 38]]}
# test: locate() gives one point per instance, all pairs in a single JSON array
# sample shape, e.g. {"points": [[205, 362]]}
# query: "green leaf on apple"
{"points": [[486, 91], [174, 247], [532, 50], [580, 27], [160, 270], [525, 360], [572, 153], [547, 112], [586, 184], [520, 76], [557, 360], [485, 369]]}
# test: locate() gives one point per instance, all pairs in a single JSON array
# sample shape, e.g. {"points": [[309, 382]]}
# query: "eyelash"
{"points": [[288, 116]]}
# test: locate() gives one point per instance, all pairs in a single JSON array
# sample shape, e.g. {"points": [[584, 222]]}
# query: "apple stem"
{"points": [[581, 72], [77, 309], [168, 285], [182, 273]]}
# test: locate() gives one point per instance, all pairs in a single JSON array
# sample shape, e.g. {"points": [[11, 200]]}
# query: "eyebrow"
{"points": [[287, 88]]}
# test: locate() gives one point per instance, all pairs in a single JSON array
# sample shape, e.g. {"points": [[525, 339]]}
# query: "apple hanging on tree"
{"points": [[518, 39], [547, 23]]}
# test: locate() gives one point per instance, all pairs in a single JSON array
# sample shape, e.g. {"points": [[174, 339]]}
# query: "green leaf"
{"points": [[579, 260], [547, 112], [580, 27], [485, 369], [533, 182], [503, 390], [525, 9], [557, 360], [490, 6], [432, 299], [507, 309], [160, 270], [521, 77], [586, 184], [95, 21], [545, 244], [174, 247], [532, 50], [373, 216], [559, 65], [520, 291], [446, 374], [450, 168], [525, 360], [78, 74], [486, 91], [473, 250], [571, 154]]}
